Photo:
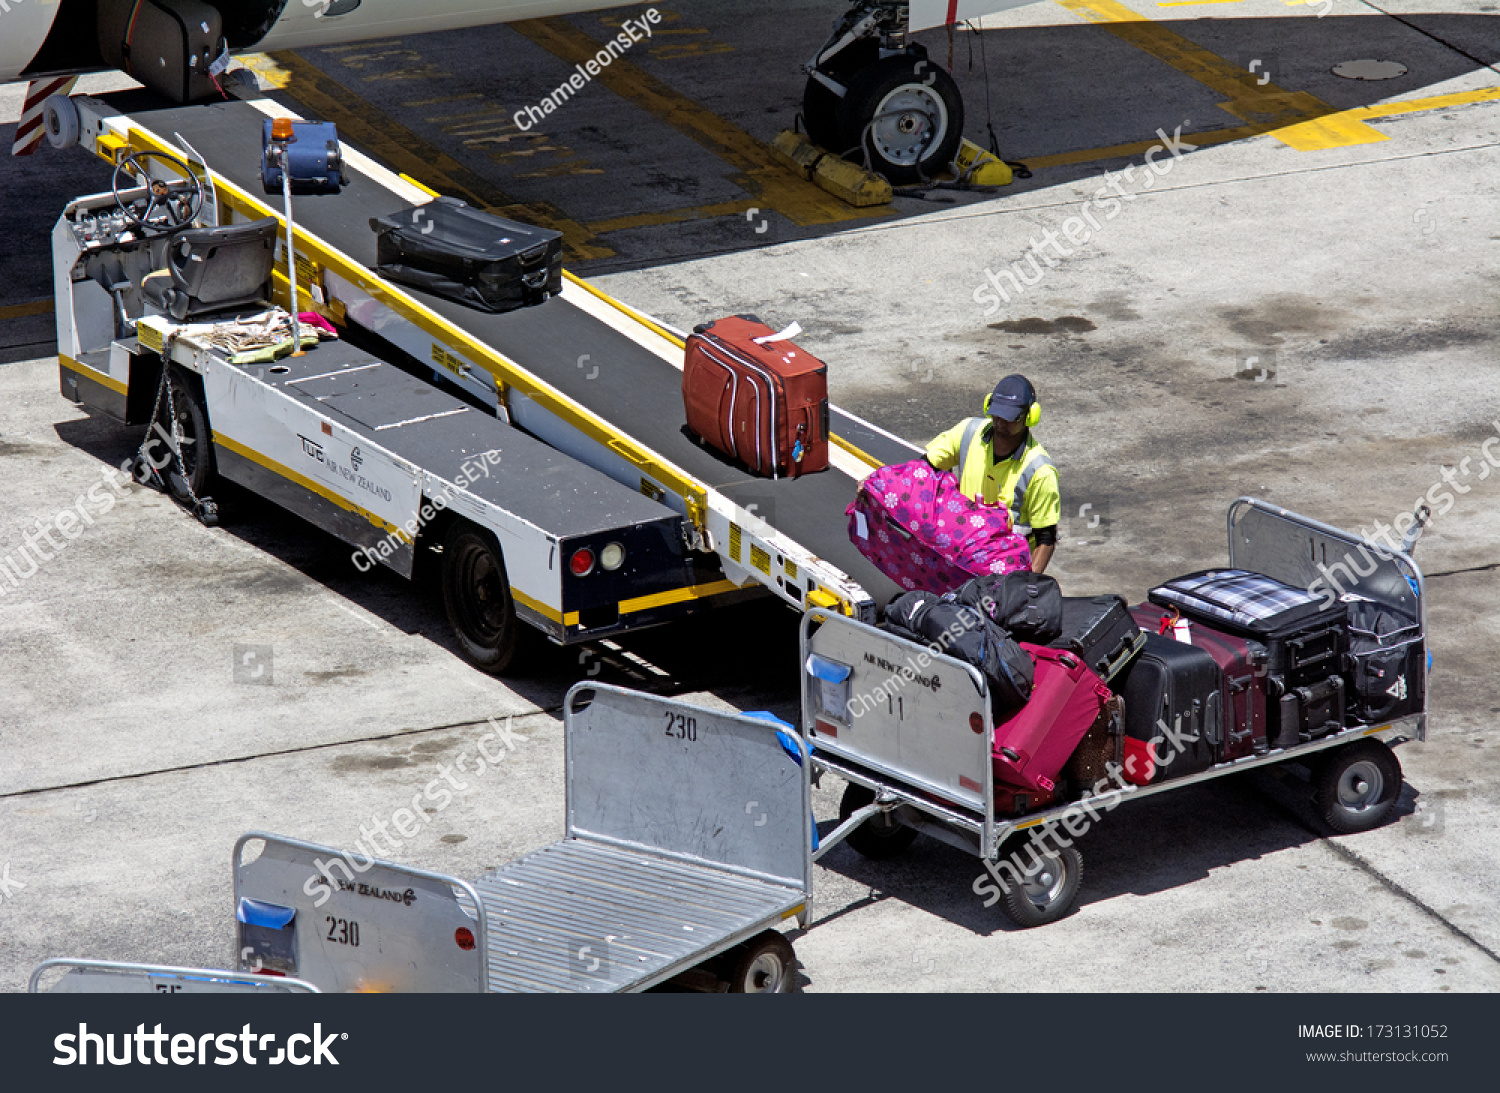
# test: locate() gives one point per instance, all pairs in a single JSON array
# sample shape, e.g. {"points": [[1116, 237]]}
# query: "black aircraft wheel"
{"points": [[764, 965], [187, 424], [909, 113], [1356, 787], [477, 597], [820, 104], [1048, 888], [882, 835]]}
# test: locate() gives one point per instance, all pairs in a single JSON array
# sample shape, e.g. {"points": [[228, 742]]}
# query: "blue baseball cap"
{"points": [[1011, 398]]}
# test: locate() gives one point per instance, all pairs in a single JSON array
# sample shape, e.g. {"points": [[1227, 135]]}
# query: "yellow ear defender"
{"points": [[1033, 413]]}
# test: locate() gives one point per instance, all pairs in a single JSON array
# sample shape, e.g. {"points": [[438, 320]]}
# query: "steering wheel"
{"points": [[164, 212]]}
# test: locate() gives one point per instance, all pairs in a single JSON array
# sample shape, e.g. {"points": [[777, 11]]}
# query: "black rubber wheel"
{"points": [[765, 964], [882, 835], [915, 115], [820, 106], [476, 594], [194, 440], [1356, 786], [1049, 885]]}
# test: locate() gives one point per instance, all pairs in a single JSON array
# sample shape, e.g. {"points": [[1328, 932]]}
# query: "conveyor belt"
{"points": [[634, 917], [634, 390], [440, 433]]}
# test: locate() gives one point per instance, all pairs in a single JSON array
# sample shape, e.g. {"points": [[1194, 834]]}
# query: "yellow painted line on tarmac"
{"points": [[1435, 102], [22, 311], [1242, 132], [376, 134], [1298, 119], [763, 176]]}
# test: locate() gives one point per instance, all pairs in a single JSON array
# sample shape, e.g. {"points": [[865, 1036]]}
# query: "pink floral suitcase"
{"points": [[920, 531]]}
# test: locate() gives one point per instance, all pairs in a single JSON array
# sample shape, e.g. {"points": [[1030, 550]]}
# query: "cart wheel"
{"points": [[191, 432], [1050, 891], [1356, 786], [477, 597], [764, 965], [882, 835]]}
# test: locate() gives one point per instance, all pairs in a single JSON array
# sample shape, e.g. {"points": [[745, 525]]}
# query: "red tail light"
{"points": [[465, 938], [976, 721], [582, 563]]}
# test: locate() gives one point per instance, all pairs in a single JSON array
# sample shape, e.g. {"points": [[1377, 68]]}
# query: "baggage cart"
{"points": [[910, 729], [119, 977], [688, 841]]}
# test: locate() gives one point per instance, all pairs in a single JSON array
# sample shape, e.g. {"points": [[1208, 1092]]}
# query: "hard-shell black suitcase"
{"points": [[1101, 631], [169, 45], [1173, 701], [487, 262]]}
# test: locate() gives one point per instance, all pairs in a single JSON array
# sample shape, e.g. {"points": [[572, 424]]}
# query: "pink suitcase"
{"points": [[1033, 746], [921, 532]]}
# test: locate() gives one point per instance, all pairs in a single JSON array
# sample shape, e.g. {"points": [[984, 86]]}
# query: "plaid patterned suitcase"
{"points": [[1306, 637]]}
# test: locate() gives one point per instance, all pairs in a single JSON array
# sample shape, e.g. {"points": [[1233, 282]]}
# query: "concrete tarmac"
{"points": [[1300, 307]]}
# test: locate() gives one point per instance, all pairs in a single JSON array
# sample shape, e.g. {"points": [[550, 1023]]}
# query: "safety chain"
{"points": [[203, 508]]}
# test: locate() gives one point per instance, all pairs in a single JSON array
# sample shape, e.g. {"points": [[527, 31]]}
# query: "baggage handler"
{"points": [[1000, 462]]}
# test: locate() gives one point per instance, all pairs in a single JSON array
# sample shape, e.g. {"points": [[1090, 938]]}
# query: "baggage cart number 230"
{"points": [[682, 727]]}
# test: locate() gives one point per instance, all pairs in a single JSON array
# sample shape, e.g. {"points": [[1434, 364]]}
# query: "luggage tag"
{"points": [[790, 332], [861, 525]]}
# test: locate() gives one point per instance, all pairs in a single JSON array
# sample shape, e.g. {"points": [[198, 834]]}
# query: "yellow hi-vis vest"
{"points": [[1026, 485]]}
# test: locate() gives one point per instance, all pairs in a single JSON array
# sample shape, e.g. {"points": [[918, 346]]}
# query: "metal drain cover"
{"points": [[1369, 70]]}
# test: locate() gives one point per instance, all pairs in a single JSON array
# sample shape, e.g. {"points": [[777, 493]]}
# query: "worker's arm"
{"points": [[1041, 510], [942, 453]]}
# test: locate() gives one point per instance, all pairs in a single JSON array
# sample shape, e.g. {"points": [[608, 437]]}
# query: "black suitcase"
{"points": [[1172, 696], [169, 45], [487, 262], [1101, 631]]}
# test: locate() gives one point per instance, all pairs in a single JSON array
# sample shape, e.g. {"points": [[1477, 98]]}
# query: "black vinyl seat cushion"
{"points": [[214, 269]]}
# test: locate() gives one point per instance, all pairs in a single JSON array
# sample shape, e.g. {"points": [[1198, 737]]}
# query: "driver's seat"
{"points": [[214, 269]]}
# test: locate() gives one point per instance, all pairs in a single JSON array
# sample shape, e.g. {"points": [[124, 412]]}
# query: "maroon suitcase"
{"points": [[1243, 664], [1031, 747], [754, 395]]}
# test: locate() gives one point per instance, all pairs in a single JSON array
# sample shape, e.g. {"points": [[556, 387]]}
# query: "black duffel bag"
{"points": [[966, 634], [450, 250], [903, 615], [1027, 605]]}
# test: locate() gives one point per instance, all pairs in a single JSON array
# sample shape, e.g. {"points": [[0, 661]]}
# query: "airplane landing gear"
{"points": [[869, 91]]}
